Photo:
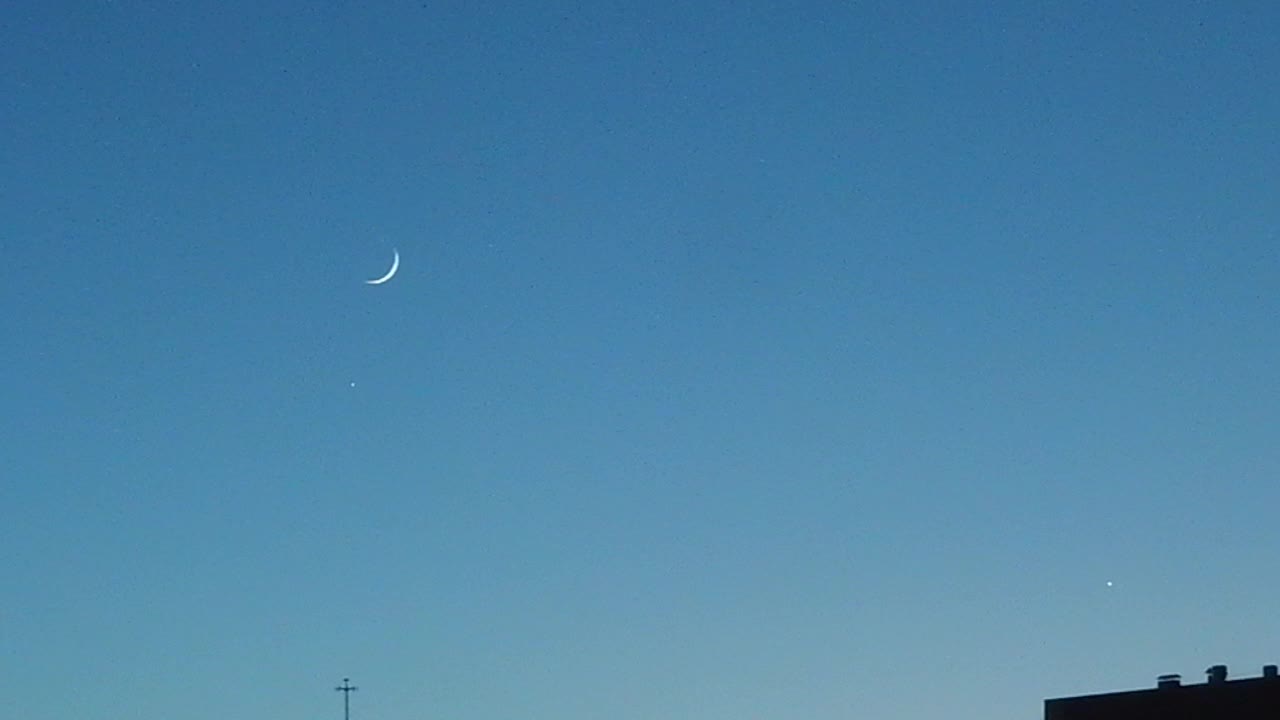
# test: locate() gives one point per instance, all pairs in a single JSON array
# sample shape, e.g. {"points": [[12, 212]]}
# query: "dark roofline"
{"points": [[1181, 689]]}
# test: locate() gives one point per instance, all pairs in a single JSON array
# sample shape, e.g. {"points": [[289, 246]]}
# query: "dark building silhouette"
{"points": [[1255, 698]]}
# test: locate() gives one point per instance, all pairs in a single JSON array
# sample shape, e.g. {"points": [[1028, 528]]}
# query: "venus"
{"points": [[395, 265]]}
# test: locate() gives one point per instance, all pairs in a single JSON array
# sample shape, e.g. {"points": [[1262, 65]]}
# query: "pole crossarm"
{"points": [[346, 688]]}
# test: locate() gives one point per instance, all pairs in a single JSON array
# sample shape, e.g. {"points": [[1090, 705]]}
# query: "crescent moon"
{"points": [[395, 265]]}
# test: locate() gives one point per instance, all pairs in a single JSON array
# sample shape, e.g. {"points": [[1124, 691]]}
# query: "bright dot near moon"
{"points": [[1108, 582], [353, 385]]}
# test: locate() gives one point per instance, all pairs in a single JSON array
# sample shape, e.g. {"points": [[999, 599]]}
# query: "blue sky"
{"points": [[746, 360]]}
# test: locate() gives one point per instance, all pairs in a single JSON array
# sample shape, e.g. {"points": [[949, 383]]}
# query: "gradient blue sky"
{"points": [[746, 360]]}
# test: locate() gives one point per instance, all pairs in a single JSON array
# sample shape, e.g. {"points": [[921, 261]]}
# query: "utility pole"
{"points": [[346, 689]]}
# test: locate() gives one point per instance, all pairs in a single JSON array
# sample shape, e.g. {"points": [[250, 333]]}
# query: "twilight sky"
{"points": [[746, 360]]}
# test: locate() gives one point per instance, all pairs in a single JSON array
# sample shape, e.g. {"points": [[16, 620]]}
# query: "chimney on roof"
{"points": [[1270, 671], [1217, 674], [1169, 681]]}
